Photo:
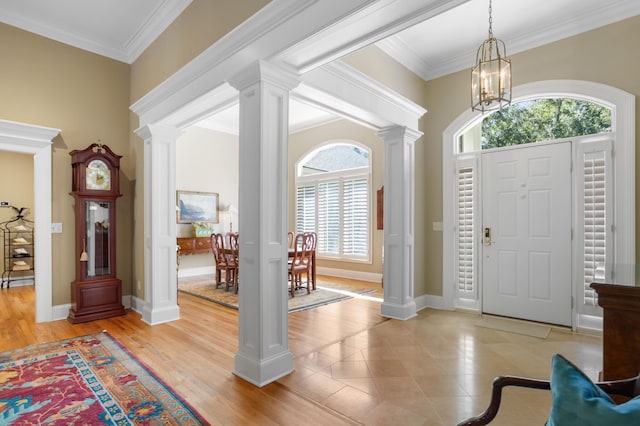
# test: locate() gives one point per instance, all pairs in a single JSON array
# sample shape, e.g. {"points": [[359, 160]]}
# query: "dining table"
{"points": [[291, 252]]}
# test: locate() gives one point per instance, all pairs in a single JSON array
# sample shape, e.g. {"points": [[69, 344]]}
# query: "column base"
{"points": [[400, 312], [261, 373], [160, 315]]}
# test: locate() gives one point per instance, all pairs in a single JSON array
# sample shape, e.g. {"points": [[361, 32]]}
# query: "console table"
{"points": [[619, 297], [193, 245]]}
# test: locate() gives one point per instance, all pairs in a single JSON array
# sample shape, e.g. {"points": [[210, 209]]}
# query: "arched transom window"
{"points": [[536, 120]]}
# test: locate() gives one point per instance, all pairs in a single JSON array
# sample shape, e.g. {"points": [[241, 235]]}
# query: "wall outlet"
{"points": [[56, 228], [437, 226], [4, 204]]}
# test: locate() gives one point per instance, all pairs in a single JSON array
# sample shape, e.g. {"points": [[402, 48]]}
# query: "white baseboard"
{"points": [[192, 272], [373, 277], [430, 301], [61, 311], [589, 324], [137, 304]]}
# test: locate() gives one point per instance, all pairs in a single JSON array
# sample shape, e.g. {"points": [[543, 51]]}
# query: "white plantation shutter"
{"points": [[597, 234], [465, 268], [306, 208], [355, 213], [328, 218], [333, 199]]}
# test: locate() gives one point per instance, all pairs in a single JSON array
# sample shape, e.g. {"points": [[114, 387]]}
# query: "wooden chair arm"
{"points": [[496, 395], [625, 387]]}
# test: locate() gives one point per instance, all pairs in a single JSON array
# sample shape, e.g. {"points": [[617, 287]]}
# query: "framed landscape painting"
{"points": [[197, 206]]}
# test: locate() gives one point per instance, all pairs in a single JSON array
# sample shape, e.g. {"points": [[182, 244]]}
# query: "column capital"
{"points": [[264, 71], [399, 132]]}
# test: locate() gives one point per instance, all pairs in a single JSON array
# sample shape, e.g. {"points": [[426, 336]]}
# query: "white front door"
{"points": [[526, 270]]}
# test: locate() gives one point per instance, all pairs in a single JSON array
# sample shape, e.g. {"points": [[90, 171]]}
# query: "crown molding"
{"points": [[164, 14], [371, 22], [429, 69], [346, 92]]}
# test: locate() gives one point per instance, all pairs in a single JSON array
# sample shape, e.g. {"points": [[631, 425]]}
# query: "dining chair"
{"points": [[311, 243], [299, 264], [217, 247], [290, 239], [232, 259]]}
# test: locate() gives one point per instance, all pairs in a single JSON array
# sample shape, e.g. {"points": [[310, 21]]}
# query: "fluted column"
{"points": [[399, 205], [263, 351]]}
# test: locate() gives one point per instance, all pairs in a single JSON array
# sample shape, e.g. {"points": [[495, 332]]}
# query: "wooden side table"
{"points": [[621, 334], [193, 245]]}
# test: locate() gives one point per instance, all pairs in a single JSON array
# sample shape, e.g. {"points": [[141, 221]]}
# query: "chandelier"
{"points": [[491, 77]]}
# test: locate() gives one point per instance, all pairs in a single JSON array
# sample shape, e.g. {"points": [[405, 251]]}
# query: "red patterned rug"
{"points": [[87, 380]]}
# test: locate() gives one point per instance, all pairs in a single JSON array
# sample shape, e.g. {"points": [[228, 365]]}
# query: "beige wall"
{"points": [[302, 143], [50, 84], [372, 61], [203, 23], [207, 161], [607, 55]]}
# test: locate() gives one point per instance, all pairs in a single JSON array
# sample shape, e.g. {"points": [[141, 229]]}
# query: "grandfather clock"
{"points": [[97, 292]]}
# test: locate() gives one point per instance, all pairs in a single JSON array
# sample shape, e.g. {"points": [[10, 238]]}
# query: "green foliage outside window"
{"points": [[544, 119]]}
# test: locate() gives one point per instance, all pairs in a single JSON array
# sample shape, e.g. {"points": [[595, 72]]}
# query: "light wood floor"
{"points": [[351, 365]]}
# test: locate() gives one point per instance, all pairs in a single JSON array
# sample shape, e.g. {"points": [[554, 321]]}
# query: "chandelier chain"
{"points": [[490, 22]]}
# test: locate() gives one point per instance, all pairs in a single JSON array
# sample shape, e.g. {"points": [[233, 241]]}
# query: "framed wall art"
{"points": [[197, 206]]}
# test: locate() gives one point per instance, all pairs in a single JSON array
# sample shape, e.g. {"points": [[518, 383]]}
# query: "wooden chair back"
{"points": [[234, 245], [217, 247]]}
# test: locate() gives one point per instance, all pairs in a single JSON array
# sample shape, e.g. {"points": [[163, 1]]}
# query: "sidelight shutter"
{"points": [[465, 268], [597, 233]]}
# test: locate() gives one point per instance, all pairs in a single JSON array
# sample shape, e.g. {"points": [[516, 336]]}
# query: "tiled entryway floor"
{"points": [[435, 369]]}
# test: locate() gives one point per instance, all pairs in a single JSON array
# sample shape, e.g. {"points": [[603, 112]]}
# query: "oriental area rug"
{"points": [[87, 380], [203, 286]]}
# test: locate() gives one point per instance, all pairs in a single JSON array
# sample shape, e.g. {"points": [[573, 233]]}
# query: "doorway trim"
{"points": [[622, 105], [37, 141]]}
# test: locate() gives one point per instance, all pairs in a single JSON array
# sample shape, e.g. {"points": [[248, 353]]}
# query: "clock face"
{"points": [[98, 176]]}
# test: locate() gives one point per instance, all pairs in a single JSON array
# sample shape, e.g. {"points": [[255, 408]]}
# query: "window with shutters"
{"points": [[333, 199], [596, 230], [465, 229]]}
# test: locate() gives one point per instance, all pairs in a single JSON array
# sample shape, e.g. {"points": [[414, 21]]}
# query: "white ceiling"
{"points": [[448, 42], [122, 29], [118, 29]]}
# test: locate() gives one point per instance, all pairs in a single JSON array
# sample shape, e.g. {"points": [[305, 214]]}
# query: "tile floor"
{"points": [[435, 369]]}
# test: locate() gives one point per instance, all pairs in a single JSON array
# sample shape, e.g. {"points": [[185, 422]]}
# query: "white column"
{"points": [[160, 276], [263, 351], [399, 177]]}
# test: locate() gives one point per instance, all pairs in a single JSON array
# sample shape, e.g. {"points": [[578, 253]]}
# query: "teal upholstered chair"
{"points": [[576, 400]]}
